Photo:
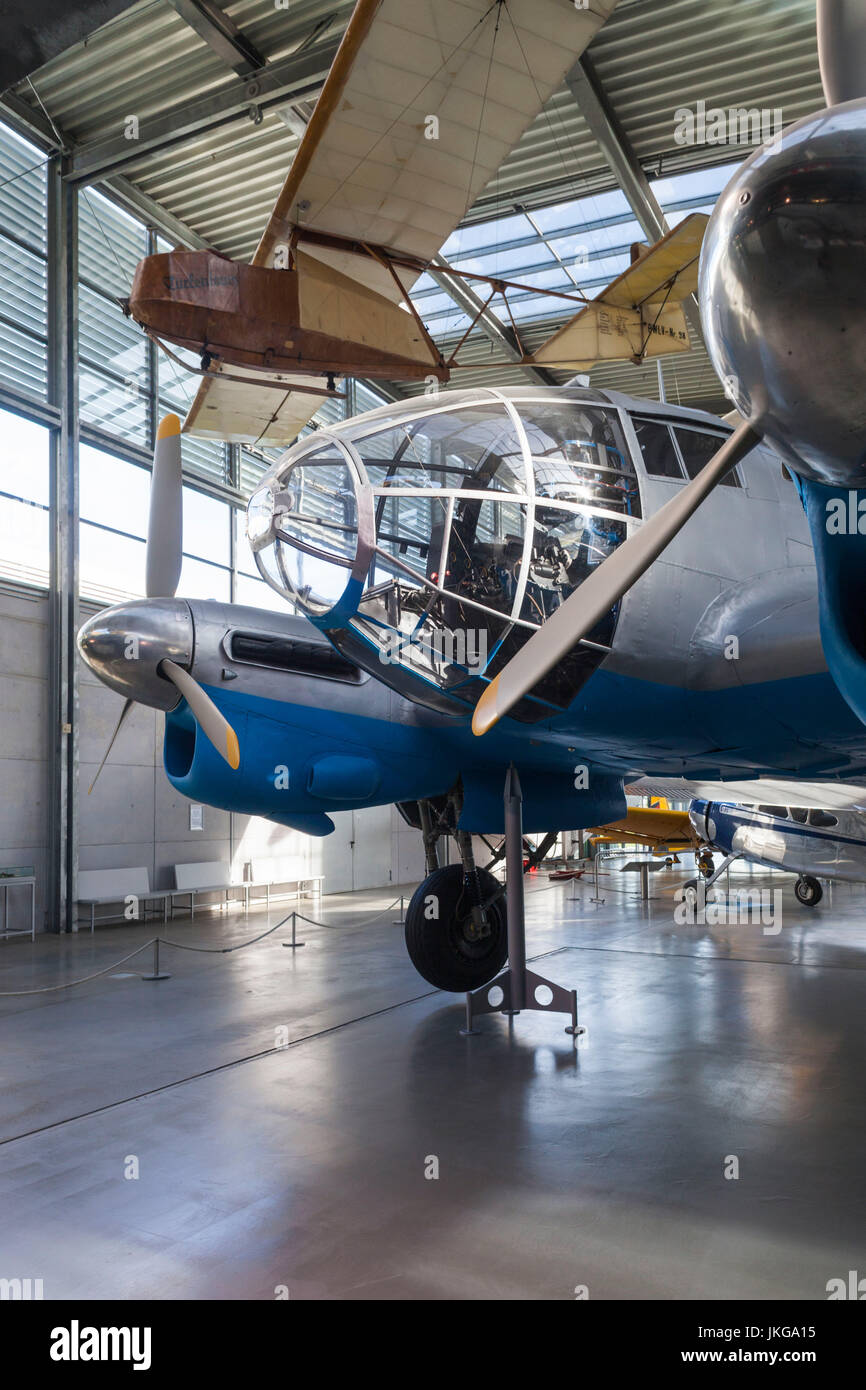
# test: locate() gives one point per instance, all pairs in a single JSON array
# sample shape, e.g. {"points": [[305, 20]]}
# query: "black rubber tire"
{"points": [[690, 892], [705, 865], [438, 949], [808, 891]]}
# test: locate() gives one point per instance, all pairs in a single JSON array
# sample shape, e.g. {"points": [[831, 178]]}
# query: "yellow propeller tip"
{"points": [[168, 426], [233, 751], [486, 712]]}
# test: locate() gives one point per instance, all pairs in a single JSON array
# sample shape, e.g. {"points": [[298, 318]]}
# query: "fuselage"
{"points": [[820, 843], [713, 669]]}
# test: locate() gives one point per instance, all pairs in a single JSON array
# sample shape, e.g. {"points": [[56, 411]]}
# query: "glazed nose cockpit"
{"points": [[430, 540]]}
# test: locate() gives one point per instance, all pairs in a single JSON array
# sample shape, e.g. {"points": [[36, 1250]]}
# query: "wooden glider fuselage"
{"points": [[308, 318]]}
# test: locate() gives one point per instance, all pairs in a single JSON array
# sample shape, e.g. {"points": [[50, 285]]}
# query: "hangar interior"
{"points": [[173, 124], [83, 390]]}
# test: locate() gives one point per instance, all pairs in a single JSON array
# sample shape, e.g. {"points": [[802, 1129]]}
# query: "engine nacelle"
{"points": [[783, 293]]}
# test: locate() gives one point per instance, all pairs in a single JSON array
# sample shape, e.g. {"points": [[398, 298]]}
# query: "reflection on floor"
{"points": [[306, 1166]]}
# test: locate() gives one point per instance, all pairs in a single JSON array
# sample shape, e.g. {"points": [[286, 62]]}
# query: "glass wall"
{"points": [[114, 497], [24, 465], [23, 266]]}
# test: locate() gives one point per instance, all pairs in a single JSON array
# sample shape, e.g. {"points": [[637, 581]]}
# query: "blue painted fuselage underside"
{"points": [[299, 762]]}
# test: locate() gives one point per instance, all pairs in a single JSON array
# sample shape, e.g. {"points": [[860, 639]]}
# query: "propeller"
{"points": [[602, 589], [163, 564], [217, 729], [842, 49], [127, 706], [165, 522]]}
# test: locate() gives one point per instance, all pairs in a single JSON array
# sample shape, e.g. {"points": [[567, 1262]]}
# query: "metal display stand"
{"points": [[14, 880], [517, 988]]}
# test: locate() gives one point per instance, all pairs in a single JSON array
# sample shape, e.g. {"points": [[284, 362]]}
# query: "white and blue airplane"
{"points": [[621, 587], [813, 842]]}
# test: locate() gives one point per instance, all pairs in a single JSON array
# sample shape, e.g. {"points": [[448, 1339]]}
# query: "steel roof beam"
{"points": [[499, 334], [594, 104], [299, 77], [221, 34]]}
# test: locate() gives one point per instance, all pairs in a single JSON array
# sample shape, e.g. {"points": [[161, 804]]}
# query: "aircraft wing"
{"points": [[255, 412], [424, 100], [769, 791], [646, 825]]}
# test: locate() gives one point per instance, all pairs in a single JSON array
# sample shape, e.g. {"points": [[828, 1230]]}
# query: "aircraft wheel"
{"points": [[441, 938], [690, 892], [808, 891], [705, 864]]}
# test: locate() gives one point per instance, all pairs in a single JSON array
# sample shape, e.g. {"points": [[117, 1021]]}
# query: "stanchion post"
{"points": [[294, 944], [157, 974], [596, 899]]}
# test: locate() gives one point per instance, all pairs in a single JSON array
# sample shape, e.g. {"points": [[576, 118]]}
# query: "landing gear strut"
{"points": [[518, 988], [461, 927], [704, 863]]}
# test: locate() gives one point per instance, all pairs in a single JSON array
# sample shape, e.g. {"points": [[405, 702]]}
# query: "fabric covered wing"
{"points": [[437, 93], [249, 413]]}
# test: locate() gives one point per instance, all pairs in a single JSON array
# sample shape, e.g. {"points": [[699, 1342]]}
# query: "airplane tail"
{"points": [[640, 313]]}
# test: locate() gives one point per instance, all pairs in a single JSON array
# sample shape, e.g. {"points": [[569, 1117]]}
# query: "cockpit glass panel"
{"points": [[316, 505], [659, 455], [697, 448], [579, 456], [440, 541], [436, 530], [315, 529], [799, 814], [475, 447], [485, 552], [568, 547]]}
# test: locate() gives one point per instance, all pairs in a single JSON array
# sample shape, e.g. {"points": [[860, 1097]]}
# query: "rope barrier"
{"points": [[68, 984], [157, 941], [224, 950], [293, 917], [334, 926]]}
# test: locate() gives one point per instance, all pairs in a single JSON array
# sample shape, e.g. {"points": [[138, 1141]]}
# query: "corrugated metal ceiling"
{"points": [[652, 57]]}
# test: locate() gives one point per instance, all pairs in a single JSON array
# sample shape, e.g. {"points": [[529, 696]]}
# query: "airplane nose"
{"points": [[124, 646]]}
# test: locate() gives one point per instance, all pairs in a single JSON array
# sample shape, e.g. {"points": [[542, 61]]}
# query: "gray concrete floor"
{"points": [[600, 1165]]}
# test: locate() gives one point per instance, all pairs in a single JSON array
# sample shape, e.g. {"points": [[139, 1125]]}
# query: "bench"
{"points": [[286, 873], [214, 877], [98, 887]]}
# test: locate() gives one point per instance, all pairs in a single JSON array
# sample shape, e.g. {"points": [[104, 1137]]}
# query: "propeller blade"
{"points": [[217, 729], [605, 586], [127, 706], [165, 525], [842, 49]]}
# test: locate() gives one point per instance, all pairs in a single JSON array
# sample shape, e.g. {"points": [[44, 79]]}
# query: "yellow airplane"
{"points": [[659, 827]]}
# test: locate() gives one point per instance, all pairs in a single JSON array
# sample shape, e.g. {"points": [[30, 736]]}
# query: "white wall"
{"points": [[23, 741], [134, 816]]}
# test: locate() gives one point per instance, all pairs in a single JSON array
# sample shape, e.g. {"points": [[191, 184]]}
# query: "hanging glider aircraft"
{"points": [[524, 552], [422, 104]]}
